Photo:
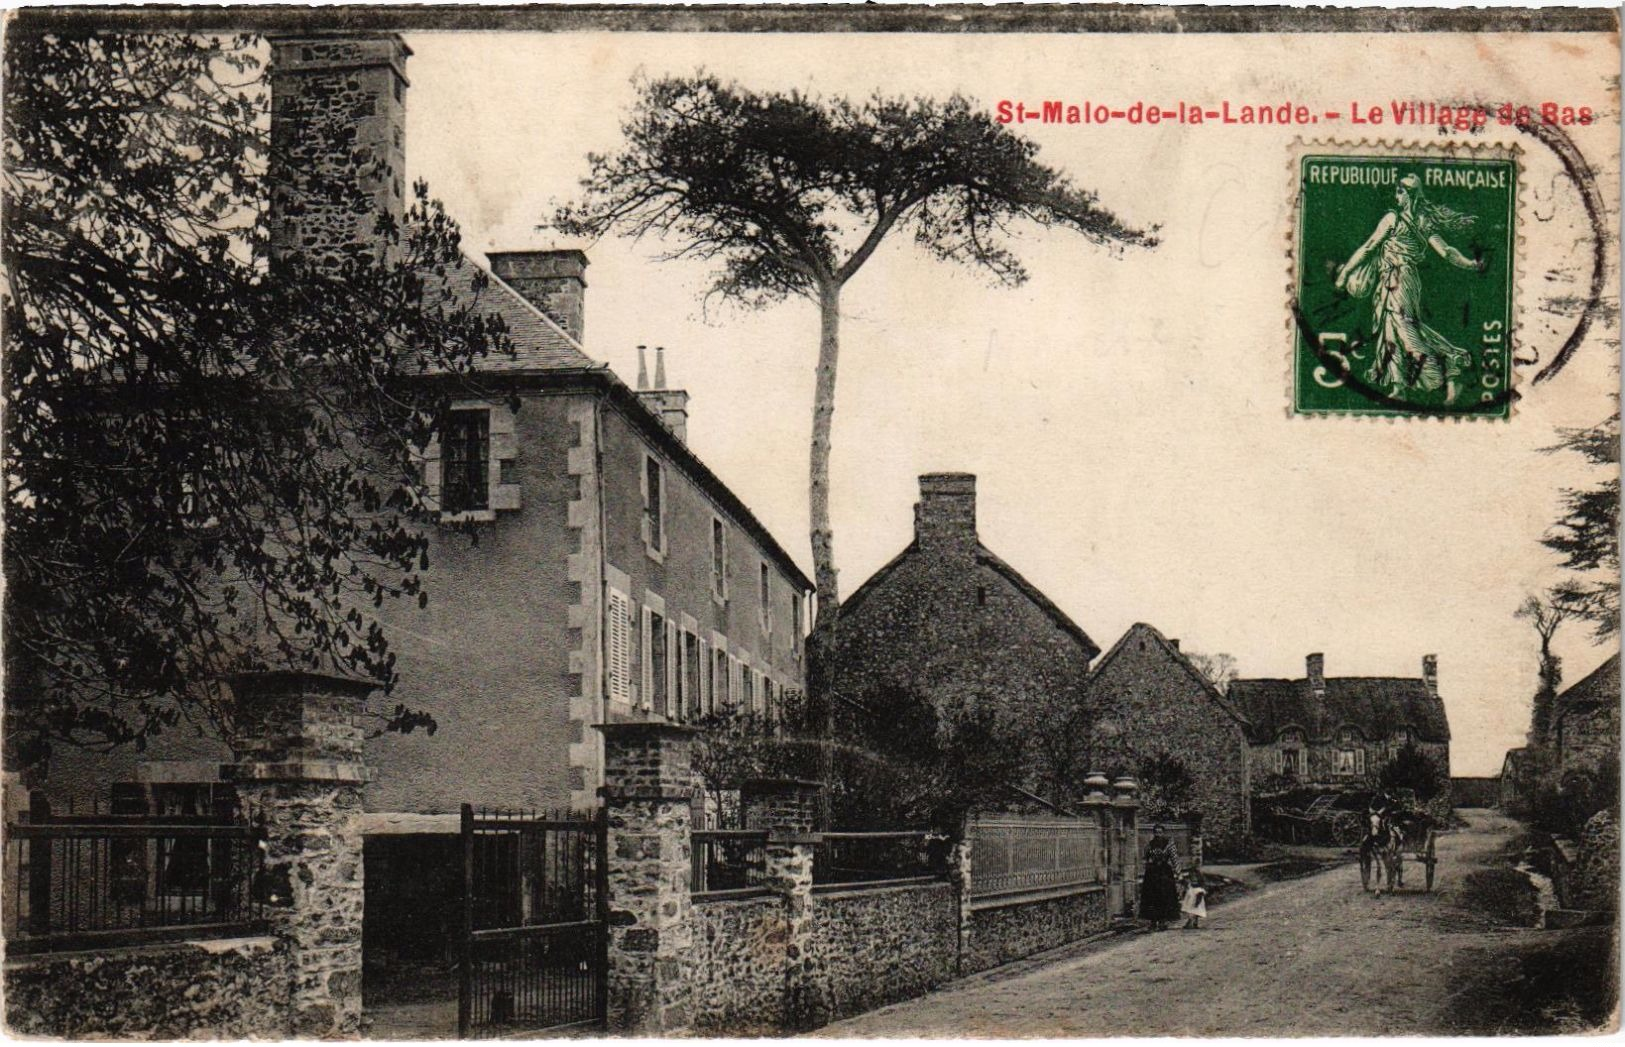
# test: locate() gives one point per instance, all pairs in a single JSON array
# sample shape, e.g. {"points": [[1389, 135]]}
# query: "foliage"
{"points": [[789, 195], [899, 761], [1167, 786], [1413, 770], [1218, 669], [1546, 615], [209, 459], [1562, 808], [1586, 536]]}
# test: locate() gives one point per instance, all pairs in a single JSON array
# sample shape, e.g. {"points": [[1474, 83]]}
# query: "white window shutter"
{"points": [[619, 642]]}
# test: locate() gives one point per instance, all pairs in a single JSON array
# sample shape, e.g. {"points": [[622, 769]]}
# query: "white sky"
{"points": [[1125, 416]]}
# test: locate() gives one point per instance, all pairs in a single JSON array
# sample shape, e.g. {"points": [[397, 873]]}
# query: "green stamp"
{"points": [[1403, 280]]}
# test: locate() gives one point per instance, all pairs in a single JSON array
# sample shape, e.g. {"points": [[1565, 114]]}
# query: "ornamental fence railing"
{"points": [[1018, 854], [874, 858]]}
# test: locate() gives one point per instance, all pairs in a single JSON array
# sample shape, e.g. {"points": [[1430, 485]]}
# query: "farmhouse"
{"points": [[1157, 709], [1333, 731], [1584, 734]]}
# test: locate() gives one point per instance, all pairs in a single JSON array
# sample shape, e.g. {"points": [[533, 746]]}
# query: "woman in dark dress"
{"points": [[1159, 891]]}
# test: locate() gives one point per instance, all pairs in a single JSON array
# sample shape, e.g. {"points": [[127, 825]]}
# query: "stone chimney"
{"points": [[553, 281], [669, 405], [945, 516], [338, 144], [1430, 673], [1174, 644], [1315, 669]]}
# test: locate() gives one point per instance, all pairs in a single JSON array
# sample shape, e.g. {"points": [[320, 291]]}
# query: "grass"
{"points": [[1559, 983], [1504, 895]]}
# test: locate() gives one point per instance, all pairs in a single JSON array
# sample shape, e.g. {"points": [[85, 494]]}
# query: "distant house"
{"points": [[949, 621], [1333, 731], [1585, 723], [1517, 778], [1153, 702]]}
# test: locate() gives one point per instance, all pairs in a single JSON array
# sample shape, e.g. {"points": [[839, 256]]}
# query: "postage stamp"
{"points": [[1404, 266]]}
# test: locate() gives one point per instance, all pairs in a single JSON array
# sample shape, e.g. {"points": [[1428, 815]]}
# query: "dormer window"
{"points": [[1349, 756], [469, 469]]}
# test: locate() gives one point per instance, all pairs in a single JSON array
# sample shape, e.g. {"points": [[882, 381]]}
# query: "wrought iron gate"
{"points": [[533, 937]]}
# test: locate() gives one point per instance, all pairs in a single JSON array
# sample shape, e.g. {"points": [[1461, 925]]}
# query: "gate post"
{"points": [[298, 772], [787, 808], [1127, 808], [648, 790], [1097, 808], [960, 860]]}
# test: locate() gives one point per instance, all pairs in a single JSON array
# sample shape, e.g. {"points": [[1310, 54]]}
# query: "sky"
{"points": [[1125, 413]]}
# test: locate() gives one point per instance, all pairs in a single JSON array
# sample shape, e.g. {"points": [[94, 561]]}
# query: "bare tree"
{"points": [[1219, 669], [791, 195], [1546, 615]]}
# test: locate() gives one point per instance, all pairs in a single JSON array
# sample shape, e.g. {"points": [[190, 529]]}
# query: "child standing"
{"points": [[1194, 904]]}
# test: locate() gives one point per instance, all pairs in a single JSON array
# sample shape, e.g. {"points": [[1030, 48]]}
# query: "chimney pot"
{"points": [[643, 369], [1174, 644], [660, 367], [668, 405], [1430, 672], [1315, 666], [553, 281]]}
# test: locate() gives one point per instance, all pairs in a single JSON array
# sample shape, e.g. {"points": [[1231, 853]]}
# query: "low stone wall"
{"points": [[228, 989], [738, 966], [874, 946], [1003, 930]]}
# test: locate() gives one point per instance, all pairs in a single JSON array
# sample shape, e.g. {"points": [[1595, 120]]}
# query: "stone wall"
{"points": [[229, 989], [738, 965], [1010, 930], [1160, 706], [870, 947]]}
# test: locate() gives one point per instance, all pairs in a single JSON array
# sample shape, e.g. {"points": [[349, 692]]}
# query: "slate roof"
{"points": [[545, 356], [1377, 705], [986, 557], [538, 342], [1179, 659], [1601, 687]]}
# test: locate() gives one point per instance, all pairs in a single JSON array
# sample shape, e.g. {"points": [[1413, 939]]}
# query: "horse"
{"points": [[1384, 842]]}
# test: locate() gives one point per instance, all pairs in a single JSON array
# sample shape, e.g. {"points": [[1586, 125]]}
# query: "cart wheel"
{"points": [[1431, 860]]}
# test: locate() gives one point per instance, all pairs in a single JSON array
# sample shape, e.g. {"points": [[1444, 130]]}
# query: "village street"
{"points": [[1313, 957]]}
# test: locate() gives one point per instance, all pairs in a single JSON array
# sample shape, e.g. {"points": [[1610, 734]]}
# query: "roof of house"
{"points": [[1377, 705], [1178, 658], [987, 558], [546, 356], [1599, 688]]}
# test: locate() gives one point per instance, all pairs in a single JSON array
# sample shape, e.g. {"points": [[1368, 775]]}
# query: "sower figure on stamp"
{"points": [[1408, 351]]}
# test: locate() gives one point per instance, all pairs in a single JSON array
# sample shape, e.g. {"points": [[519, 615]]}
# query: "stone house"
{"points": [[1331, 732], [1584, 733], [615, 576], [1517, 778], [1147, 700], [949, 621]]}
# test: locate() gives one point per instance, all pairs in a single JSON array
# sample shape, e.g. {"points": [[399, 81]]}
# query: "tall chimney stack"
{"points": [[1315, 666], [669, 405], [553, 281], [945, 516], [1430, 673], [338, 144]]}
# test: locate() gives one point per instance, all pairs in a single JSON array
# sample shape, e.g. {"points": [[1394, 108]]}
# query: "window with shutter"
{"points": [[659, 664], [619, 643]]}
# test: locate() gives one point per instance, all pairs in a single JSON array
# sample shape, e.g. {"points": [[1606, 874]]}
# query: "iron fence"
{"points": [[728, 860], [103, 879], [879, 857], [1018, 854]]}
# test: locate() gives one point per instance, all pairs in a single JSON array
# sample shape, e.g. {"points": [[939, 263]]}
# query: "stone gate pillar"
{"points": [[1126, 808], [298, 774], [788, 808], [649, 790]]}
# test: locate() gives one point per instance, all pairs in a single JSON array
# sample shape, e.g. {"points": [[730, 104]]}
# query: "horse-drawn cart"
{"points": [[1389, 849]]}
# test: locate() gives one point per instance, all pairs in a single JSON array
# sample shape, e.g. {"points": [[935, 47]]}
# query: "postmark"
{"points": [[1403, 279]]}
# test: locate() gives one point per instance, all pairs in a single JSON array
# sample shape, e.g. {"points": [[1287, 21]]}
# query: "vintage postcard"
{"points": [[849, 521]]}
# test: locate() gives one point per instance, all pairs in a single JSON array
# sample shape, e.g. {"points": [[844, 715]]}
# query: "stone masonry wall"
{"points": [[877, 946], [1160, 708], [230, 989], [1002, 933], [738, 965]]}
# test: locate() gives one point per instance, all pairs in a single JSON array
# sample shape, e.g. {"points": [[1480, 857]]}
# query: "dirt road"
{"points": [[1314, 956]]}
